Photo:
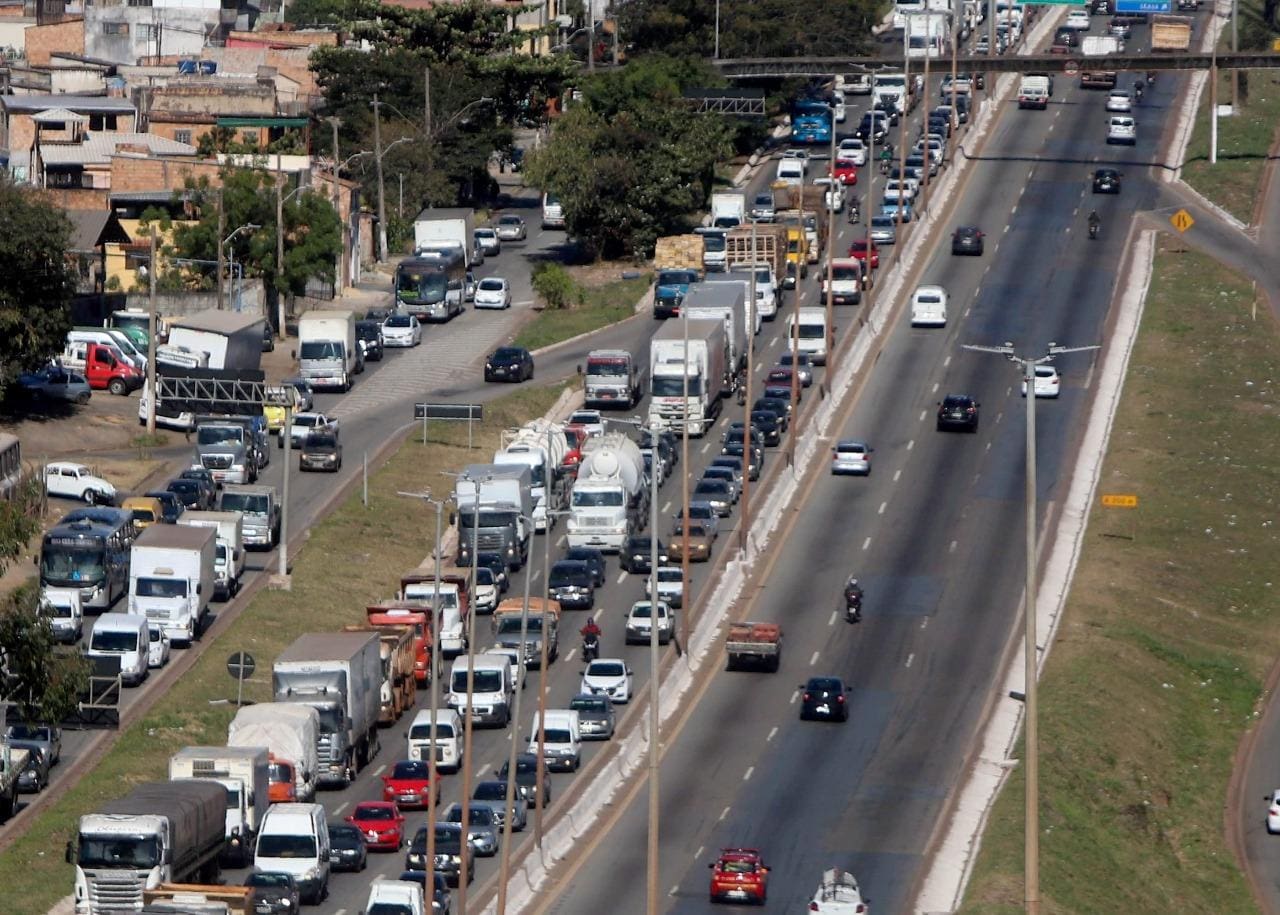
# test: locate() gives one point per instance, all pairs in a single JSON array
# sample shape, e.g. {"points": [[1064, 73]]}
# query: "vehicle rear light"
{"points": [[840, 698], [806, 697]]}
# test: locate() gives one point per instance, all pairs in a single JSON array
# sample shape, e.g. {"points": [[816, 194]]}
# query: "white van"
{"points": [[791, 170], [1121, 128], [562, 743], [448, 738], [65, 612], [294, 838], [493, 688], [124, 636], [109, 337], [395, 897], [929, 307], [552, 212], [810, 328]]}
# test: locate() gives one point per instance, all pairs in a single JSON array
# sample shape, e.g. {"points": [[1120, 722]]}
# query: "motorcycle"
{"points": [[590, 647], [1093, 229], [854, 215], [1137, 93], [852, 606]]}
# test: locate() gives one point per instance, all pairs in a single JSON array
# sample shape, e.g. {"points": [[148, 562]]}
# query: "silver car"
{"points": [[851, 457], [482, 826], [596, 717], [494, 793], [511, 228], [884, 229]]}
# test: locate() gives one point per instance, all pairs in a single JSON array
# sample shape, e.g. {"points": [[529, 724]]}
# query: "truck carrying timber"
{"points": [[1170, 34]]}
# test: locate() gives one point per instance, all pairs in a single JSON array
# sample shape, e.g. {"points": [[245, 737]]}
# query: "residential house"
{"points": [[125, 33], [92, 233], [91, 114], [187, 108]]}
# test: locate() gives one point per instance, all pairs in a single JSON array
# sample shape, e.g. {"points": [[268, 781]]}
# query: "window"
{"points": [[103, 122], [182, 136], [146, 31], [115, 28]]}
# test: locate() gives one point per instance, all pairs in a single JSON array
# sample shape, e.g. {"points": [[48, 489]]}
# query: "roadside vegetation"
{"points": [[352, 559], [1170, 628], [1246, 139], [579, 301]]}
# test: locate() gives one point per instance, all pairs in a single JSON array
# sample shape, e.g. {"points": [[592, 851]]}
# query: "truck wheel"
{"points": [[118, 387]]}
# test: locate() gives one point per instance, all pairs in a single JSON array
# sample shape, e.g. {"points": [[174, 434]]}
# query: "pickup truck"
{"points": [[756, 645]]}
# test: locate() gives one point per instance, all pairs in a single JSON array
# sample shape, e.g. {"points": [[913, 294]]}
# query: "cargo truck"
{"points": [[678, 260], [1100, 45], [339, 674], [260, 506], [846, 283], [543, 622], [541, 446], [171, 578], [327, 349], [417, 618], [160, 832], [452, 613], [610, 498], [226, 450], [1170, 33], [445, 230], [757, 645], [399, 689], [245, 774], [727, 303], [706, 367], [763, 245], [728, 210], [200, 899], [751, 318], [290, 732], [612, 379], [228, 560], [232, 340], [498, 509]]}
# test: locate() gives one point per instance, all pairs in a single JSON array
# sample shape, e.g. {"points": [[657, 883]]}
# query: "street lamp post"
{"points": [[247, 227], [653, 901], [468, 726], [1031, 752], [831, 241], [540, 768]]}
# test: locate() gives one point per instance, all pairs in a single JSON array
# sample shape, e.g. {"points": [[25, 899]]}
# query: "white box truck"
{"points": [[445, 230], [290, 732], [171, 578], [243, 771], [327, 348], [728, 210], [725, 302], [232, 340], [707, 366], [228, 559]]}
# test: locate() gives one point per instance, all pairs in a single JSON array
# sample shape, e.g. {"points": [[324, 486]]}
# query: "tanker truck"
{"points": [[610, 497], [539, 445]]}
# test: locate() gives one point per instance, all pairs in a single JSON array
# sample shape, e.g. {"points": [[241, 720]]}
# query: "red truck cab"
{"points": [[739, 875], [395, 614], [281, 787], [105, 367]]}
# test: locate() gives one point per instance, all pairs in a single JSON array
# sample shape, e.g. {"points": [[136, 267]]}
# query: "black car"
{"points": [[966, 240], [667, 445], [35, 777], [369, 336], [171, 506], [1106, 181], [509, 363], [779, 405], [448, 853], [593, 558], [204, 477], [572, 583], [824, 699], [769, 424], [347, 848], [527, 779], [873, 126], [939, 124], [441, 900], [958, 411], [756, 463], [193, 494], [735, 434], [496, 564], [637, 551], [274, 892], [732, 463], [717, 493]]}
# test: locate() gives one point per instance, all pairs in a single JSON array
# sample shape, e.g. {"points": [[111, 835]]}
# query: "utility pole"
{"points": [[222, 264], [426, 100], [1031, 737], [1235, 46], [468, 725], [684, 484], [340, 272], [152, 393], [521, 671], [382, 198], [831, 242], [745, 526], [279, 250], [653, 901]]}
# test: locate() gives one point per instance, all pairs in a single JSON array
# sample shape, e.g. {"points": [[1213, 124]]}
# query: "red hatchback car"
{"points": [[382, 824], [859, 248], [739, 875], [845, 171], [409, 784]]}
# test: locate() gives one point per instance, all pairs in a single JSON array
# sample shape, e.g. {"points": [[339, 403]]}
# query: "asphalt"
{"points": [[935, 536]]}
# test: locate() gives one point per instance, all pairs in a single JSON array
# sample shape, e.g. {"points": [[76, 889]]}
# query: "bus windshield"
{"points": [[72, 566]]}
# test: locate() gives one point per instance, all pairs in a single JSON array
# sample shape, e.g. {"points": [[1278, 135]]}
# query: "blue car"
{"points": [[891, 210]]}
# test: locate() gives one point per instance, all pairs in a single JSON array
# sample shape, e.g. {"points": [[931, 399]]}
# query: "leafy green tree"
{"points": [[37, 280], [555, 285], [42, 682]]}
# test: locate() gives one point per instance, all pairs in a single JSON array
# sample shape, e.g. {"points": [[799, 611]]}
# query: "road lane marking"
{"points": [[935, 387], [772, 733], [988, 448], [923, 414], [666, 508], [794, 697], [946, 362], [759, 366], [706, 447], [746, 776], [724, 813], [1014, 210], [924, 623], [952, 548], [569, 656], [622, 576], [1000, 416], [378, 771], [835, 615], [701, 849], [883, 506], [866, 544], [911, 444], [337, 811], [1006, 228], [911, 657], [897, 475], [813, 660]]}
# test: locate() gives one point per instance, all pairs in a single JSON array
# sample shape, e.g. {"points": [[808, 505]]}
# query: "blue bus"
{"points": [[90, 553], [810, 121]]}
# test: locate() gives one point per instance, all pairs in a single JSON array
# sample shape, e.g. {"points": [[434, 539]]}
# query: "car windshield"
{"points": [[641, 611], [738, 867], [263, 878], [561, 578], [286, 846], [374, 813], [607, 499], [444, 730], [160, 587], [606, 669], [491, 285], [483, 681], [410, 769], [589, 704], [509, 221], [398, 321], [849, 448], [506, 354]]}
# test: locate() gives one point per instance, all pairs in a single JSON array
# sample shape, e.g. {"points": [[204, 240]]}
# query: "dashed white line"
{"points": [[813, 660], [952, 547], [724, 813], [911, 657], [988, 448], [911, 444], [666, 508], [866, 544], [673, 890], [485, 768], [759, 366], [946, 362], [794, 697], [337, 811], [883, 506], [701, 849], [569, 657], [966, 312], [935, 387], [773, 732], [897, 475], [835, 615], [622, 576], [924, 623], [1000, 416], [923, 414], [706, 447], [746, 776], [1014, 210], [378, 771], [1006, 228]]}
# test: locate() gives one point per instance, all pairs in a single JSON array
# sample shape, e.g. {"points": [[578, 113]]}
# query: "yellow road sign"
{"points": [[1117, 501], [1182, 220]]}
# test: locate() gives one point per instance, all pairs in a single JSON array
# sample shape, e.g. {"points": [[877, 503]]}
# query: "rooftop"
{"points": [[98, 148], [218, 322], [31, 104]]}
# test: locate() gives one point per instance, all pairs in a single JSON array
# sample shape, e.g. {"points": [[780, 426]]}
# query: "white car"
{"points": [[670, 585], [638, 623], [851, 457], [401, 330], [837, 102], [1273, 813], [488, 241], [1048, 382], [1122, 129], [493, 292], [77, 481], [158, 646], [835, 193], [304, 423], [608, 677], [1077, 19], [791, 171], [852, 148], [929, 307], [589, 420], [1119, 100]]}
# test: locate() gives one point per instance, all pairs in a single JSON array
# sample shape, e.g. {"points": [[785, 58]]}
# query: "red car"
{"points": [[845, 171], [382, 824], [409, 785], [739, 875], [859, 250]]}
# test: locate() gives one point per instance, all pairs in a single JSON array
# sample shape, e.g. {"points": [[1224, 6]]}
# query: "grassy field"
{"points": [[1167, 636], [606, 303], [1244, 139], [352, 559]]}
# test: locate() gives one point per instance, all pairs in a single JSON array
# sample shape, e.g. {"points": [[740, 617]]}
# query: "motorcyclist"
{"points": [[1095, 222], [853, 600], [591, 630], [742, 386], [1138, 86]]}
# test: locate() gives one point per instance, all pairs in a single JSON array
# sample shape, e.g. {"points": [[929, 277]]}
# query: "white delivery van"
{"points": [[493, 688], [124, 636], [294, 838], [228, 558], [395, 897], [929, 307], [562, 741], [108, 337], [810, 328], [552, 212], [448, 737], [65, 612]]}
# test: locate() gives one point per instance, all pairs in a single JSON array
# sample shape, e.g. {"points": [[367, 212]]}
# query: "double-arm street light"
{"points": [[1031, 750], [247, 227]]}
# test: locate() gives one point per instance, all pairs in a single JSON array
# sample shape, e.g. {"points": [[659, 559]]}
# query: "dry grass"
{"points": [[353, 558], [1167, 636]]}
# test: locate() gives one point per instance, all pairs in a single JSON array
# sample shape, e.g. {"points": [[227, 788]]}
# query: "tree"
{"points": [[37, 281], [312, 232]]}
